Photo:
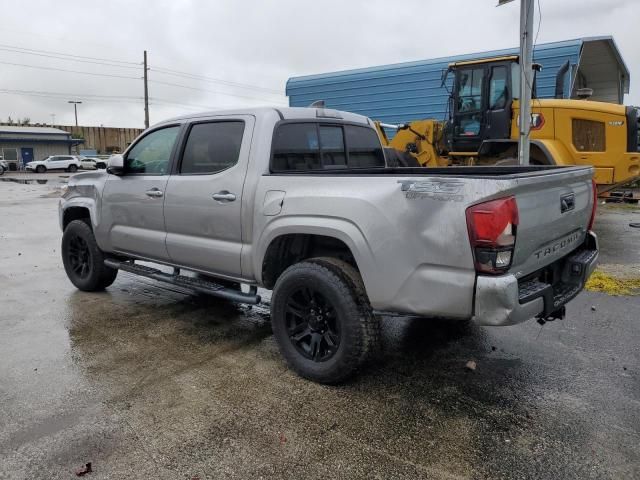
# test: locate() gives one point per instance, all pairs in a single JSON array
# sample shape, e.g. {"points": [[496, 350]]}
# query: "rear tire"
{"points": [[322, 320], [72, 168], [41, 169], [83, 260], [1, 171]]}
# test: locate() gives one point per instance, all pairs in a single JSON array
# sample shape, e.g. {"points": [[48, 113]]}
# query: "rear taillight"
{"points": [[492, 231], [594, 206]]}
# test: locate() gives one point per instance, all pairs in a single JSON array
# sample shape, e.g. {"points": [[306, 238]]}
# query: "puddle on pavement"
{"points": [[24, 181], [31, 181]]}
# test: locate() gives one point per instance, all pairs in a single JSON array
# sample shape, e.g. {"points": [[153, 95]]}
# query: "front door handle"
{"points": [[154, 192], [223, 196]]}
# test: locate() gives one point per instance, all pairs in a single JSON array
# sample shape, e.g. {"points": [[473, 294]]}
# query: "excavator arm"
{"points": [[422, 139]]}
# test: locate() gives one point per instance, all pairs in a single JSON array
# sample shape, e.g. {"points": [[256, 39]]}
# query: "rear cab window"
{"points": [[313, 146]]}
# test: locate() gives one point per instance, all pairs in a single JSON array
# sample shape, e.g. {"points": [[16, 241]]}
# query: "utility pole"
{"points": [[146, 93], [75, 108], [526, 78]]}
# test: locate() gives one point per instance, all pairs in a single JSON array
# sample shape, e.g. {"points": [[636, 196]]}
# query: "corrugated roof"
{"points": [[36, 130], [409, 91]]}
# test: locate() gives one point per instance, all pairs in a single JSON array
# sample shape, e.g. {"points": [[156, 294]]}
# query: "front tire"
{"points": [[83, 260], [322, 320], [41, 169], [1, 171], [72, 168]]}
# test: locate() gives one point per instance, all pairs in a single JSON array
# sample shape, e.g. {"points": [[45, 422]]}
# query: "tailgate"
{"points": [[554, 209]]}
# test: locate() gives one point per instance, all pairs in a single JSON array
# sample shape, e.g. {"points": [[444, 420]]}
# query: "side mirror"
{"points": [[115, 166]]}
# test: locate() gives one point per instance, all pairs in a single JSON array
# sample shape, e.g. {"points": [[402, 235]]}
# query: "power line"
{"points": [[69, 71], [68, 95], [14, 50], [101, 98], [69, 55], [57, 97], [193, 76], [209, 91], [153, 100]]}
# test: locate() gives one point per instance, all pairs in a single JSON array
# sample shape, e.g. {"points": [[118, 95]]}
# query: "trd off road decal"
{"points": [[448, 191]]}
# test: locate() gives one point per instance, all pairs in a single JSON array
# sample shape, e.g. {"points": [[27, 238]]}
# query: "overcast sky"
{"points": [[256, 43]]}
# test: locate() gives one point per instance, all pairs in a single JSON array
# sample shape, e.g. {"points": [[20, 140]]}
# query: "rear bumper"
{"points": [[505, 300]]}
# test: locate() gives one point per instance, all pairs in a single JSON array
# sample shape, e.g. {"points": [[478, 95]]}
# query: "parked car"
{"points": [[300, 201], [4, 166], [87, 163], [69, 163], [92, 163]]}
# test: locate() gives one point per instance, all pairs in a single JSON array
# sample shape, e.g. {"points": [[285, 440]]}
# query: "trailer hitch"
{"points": [[558, 314]]}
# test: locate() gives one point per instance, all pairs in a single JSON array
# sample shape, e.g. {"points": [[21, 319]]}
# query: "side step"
{"points": [[199, 285]]}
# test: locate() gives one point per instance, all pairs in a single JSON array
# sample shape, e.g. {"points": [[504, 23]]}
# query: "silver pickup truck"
{"points": [[301, 202]]}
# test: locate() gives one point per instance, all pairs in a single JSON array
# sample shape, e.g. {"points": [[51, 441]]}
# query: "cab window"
{"points": [[313, 146], [470, 82], [212, 147], [364, 148], [333, 151], [498, 92], [296, 147], [151, 154]]}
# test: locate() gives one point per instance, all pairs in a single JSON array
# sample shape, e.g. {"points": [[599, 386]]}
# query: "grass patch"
{"points": [[603, 282]]}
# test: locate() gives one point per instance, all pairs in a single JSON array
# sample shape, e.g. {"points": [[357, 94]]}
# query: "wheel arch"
{"points": [[75, 213], [542, 152], [284, 245], [78, 209]]}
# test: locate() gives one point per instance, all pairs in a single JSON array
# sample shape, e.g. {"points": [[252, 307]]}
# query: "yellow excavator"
{"points": [[482, 127]]}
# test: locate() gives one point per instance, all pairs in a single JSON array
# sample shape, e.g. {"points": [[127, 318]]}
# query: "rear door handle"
{"points": [[223, 196], [154, 192]]}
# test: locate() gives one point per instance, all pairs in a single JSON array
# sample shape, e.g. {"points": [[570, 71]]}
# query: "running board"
{"points": [[199, 285]]}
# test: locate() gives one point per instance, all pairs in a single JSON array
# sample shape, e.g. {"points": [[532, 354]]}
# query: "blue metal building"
{"points": [[410, 91]]}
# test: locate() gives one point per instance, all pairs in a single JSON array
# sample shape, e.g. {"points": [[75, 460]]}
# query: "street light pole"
{"points": [[75, 108]]}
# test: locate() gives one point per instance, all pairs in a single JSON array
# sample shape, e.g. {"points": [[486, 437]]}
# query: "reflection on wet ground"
{"points": [[24, 181], [146, 380]]}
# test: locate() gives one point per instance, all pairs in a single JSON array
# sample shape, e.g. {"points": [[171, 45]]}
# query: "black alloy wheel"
{"points": [[312, 324], [82, 258], [79, 256]]}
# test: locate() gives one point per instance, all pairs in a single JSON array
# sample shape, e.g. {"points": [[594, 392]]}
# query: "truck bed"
{"points": [[412, 223]]}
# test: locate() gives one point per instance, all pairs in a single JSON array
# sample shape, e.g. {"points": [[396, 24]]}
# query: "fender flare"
{"points": [[338, 228], [79, 202]]}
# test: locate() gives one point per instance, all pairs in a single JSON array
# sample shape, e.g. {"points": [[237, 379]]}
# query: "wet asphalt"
{"points": [[148, 381]]}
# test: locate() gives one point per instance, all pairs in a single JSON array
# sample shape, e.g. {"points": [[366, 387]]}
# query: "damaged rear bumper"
{"points": [[506, 300]]}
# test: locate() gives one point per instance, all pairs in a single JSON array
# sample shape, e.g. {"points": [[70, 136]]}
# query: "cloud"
{"points": [[260, 43]]}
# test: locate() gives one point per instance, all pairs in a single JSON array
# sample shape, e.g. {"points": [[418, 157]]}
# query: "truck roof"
{"points": [[285, 113]]}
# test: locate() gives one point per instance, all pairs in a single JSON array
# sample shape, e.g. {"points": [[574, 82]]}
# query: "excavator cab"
{"points": [[480, 101]]}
